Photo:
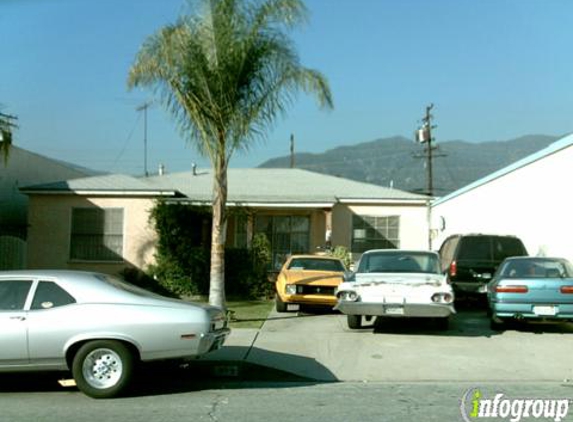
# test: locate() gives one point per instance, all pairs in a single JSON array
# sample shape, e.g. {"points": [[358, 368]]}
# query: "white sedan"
{"points": [[396, 283], [98, 327]]}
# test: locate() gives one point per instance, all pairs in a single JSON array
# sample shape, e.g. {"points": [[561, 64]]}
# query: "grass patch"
{"points": [[249, 313]]}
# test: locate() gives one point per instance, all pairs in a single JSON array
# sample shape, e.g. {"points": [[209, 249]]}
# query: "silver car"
{"points": [[97, 326]]}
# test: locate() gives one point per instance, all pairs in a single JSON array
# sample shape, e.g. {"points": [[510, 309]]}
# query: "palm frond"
{"points": [[228, 71]]}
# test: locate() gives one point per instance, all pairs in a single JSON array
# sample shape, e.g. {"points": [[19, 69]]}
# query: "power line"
{"points": [[118, 157]]}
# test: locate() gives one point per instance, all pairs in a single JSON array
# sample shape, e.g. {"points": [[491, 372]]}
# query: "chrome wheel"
{"points": [[102, 368]]}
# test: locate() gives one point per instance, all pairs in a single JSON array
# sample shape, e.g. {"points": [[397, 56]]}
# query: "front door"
{"points": [[13, 320]]}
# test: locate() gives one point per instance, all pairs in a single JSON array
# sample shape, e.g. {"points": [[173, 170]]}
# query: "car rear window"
{"points": [[125, 286], [537, 268], [505, 247], [475, 248]]}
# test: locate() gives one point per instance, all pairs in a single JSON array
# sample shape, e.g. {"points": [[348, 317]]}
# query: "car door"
{"points": [[53, 320], [14, 321]]}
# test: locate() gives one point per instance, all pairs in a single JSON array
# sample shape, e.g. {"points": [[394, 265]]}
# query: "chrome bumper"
{"points": [[213, 340], [433, 310]]}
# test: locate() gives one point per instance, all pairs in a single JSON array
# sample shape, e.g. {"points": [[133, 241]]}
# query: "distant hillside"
{"points": [[392, 161]]}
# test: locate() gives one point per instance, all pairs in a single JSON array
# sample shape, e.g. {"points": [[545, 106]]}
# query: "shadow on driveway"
{"points": [[159, 378]]}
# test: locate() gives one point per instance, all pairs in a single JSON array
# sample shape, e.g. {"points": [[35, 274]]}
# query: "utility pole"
{"points": [[424, 136], [6, 125], [291, 151], [144, 108]]}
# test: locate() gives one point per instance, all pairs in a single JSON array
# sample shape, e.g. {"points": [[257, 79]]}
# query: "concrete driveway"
{"points": [[320, 346]]}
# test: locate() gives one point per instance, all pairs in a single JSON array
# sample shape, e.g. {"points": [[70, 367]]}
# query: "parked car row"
{"points": [[397, 283]]}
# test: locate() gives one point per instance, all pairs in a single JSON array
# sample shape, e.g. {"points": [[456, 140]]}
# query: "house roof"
{"points": [[555, 147], [255, 186]]}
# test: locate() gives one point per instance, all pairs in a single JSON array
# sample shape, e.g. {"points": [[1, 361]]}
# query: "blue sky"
{"points": [[495, 70]]}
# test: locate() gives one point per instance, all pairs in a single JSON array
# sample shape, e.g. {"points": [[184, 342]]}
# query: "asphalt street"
{"points": [[308, 366], [253, 402]]}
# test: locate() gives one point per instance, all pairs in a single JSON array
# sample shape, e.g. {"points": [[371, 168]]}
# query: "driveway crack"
{"points": [[220, 400]]}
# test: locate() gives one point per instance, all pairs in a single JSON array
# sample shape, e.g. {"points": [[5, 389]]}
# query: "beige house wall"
{"points": [[413, 223], [49, 232], [50, 217]]}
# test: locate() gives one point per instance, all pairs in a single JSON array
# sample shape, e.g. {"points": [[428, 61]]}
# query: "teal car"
{"points": [[531, 288]]}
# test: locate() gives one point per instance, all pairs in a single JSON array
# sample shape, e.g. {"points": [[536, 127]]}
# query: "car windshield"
{"points": [[537, 268], [316, 264], [399, 262]]}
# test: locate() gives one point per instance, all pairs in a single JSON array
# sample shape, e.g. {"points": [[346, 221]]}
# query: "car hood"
{"points": [[409, 279], [323, 278]]}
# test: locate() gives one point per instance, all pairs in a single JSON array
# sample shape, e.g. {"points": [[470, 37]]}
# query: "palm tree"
{"points": [[226, 72]]}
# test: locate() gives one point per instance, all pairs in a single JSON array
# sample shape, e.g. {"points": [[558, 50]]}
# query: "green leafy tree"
{"points": [[226, 72]]}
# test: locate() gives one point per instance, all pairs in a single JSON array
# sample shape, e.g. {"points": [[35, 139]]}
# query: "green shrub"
{"points": [[183, 255], [342, 253]]}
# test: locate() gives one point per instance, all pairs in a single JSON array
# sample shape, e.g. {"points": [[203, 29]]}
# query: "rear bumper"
{"points": [[433, 310], [474, 288], [213, 340], [563, 311]]}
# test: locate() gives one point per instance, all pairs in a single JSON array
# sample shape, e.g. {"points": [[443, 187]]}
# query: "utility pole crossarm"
{"points": [[424, 135]]}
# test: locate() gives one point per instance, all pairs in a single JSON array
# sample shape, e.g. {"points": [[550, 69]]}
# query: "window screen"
{"points": [[97, 234], [370, 232]]}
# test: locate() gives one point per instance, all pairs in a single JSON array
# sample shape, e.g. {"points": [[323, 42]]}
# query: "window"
{"points": [[241, 223], [399, 262], [97, 234], [316, 264], [13, 294], [370, 232], [287, 235], [447, 252], [50, 295], [476, 248]]}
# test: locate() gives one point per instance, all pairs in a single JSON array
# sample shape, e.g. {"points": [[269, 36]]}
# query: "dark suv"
{"points": [[470, 260]]}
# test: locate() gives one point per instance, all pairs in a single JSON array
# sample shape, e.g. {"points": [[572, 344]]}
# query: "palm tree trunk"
{"points": [[218, 234]]}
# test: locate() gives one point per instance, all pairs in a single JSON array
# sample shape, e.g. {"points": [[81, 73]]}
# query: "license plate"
{"points": [[545, 310], [394, 310]]}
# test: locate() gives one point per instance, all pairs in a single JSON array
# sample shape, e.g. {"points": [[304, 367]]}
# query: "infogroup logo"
{"points": [[475, 406]]}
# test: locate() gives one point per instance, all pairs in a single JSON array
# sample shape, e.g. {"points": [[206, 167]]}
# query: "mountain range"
{"points": [[400, 162]]}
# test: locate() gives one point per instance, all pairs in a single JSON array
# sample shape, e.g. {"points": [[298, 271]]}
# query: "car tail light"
{"points": [[566, 289], [442, 298], [453, 269], [511, 289]]}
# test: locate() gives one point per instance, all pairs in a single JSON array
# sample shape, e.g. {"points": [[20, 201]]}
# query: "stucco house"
{"points": [[529, 199], [21, 169], [102, 223]]}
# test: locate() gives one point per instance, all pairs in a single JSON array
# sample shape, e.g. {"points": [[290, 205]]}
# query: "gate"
{"points": [[12, 253]]}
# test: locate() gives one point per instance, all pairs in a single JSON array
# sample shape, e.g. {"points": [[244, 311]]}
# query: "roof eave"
{"points": [[98, 192]]}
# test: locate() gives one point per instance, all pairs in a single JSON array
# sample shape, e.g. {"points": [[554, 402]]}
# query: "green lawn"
{"points": [[248, 313]]}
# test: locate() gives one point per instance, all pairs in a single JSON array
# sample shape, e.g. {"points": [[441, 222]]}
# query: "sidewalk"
{"points": [[322, 348]]}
